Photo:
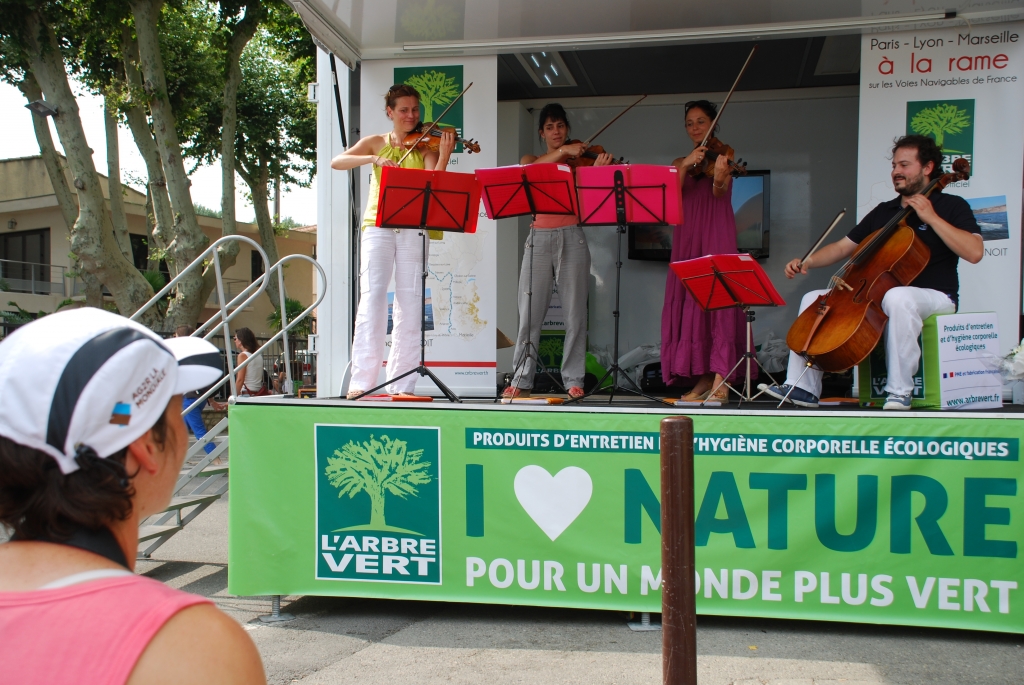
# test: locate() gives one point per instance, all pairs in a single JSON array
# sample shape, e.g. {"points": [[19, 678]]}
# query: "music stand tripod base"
{"points": [[748, 357]]}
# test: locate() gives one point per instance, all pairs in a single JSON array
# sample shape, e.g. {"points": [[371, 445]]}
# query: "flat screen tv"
{"points": [[750, 203]]}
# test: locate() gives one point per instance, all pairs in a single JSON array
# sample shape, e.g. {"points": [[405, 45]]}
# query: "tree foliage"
{"points": [[377, 467], [939, 121], [172, 71], [435, 88]]}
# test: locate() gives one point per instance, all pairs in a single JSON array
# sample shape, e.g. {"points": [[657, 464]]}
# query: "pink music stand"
{"points": [[624, 195], [726, 281], [651, 194]]}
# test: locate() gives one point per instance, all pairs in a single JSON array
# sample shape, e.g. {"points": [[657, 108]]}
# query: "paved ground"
{"points": [[378, 641]]}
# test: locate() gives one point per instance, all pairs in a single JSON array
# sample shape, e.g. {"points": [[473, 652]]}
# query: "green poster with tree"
{"points": [[949, 122], [438, 87], [378, 488]]}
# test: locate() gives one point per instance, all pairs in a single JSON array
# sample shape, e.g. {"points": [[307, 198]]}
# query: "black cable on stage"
{"points": [[354, 216]]}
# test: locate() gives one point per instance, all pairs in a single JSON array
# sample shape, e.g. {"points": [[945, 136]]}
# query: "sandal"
{"points": [[512, 391], [720, 395], [575, 392], [695, 397]]}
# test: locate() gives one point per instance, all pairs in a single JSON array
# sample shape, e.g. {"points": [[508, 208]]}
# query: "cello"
{"points": [[845, 324]]}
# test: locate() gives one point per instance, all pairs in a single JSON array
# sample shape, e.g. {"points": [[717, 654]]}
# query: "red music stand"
{"points": [[532, 189], [726, 281], [624, 195], [426, 201]]}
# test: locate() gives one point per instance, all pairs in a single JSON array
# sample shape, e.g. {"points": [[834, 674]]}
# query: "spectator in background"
{"points": [[194, 419], [248, 381], [91, 443]]}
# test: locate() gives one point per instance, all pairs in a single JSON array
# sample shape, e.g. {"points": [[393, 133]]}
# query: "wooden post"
{"points": [[678, 590]]}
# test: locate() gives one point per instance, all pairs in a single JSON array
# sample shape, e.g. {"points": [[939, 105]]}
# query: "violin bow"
{"points": [[711, 129], [434, 124], [819, 241], [590, 140]]}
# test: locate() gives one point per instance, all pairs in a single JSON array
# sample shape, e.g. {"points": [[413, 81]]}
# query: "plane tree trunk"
{"points": [[189, 240], [92, 235]]}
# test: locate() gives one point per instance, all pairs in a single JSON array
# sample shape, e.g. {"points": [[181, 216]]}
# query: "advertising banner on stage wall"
{"points": [[461, 308], [964, 87], [912, 521]]}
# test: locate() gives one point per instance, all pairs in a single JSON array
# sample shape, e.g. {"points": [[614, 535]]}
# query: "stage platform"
{"points": [[840, 514], [629, 404]]}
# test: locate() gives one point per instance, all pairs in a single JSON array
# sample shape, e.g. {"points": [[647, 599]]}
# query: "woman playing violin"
{"points": [[698, 347], [386, 251], [560, 258]]}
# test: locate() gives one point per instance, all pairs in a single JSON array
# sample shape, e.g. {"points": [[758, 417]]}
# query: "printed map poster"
{"points": [[964, 87], [461, 273]]}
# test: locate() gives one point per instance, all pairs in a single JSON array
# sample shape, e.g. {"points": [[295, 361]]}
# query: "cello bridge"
{"points": [[843, 284]]}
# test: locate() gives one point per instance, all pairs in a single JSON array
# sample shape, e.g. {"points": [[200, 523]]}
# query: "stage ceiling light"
{"points": [[42, 109], [546, 69]]}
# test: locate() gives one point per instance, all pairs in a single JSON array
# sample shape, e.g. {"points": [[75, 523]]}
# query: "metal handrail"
{"points": [[285, 327], [228, 310], [33, 268], [198, 262]]}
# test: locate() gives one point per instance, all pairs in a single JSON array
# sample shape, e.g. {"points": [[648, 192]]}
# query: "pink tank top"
{"points": [[555, 220], [92, 632]]}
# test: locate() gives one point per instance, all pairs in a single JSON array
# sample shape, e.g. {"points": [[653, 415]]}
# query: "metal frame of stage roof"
{"points": [[354, 30]]}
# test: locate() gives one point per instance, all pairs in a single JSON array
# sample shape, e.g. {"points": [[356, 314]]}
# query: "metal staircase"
{"points": [[202, 482]]}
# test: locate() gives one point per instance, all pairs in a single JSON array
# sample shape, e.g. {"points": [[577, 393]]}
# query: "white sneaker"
{"points": [[897, 402]]}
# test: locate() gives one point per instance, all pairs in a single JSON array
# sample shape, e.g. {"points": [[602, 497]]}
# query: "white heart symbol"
{"points": [[553, 502]]}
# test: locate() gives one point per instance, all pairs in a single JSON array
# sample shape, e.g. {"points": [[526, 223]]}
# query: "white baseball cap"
{"points": [[87, 378]]}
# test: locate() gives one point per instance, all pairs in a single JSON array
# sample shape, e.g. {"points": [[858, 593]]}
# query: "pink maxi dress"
{"points": [[695, 342]]}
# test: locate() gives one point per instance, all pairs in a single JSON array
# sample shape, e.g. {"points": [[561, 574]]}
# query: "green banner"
{"points": [[912, 521]]}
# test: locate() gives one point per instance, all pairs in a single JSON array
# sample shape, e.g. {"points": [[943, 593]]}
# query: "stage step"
{"points": [[189, 501], [151, 532], [211, 470]]}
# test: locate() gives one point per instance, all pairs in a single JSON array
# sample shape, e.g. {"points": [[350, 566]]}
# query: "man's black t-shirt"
{"points": [[941, 272]]}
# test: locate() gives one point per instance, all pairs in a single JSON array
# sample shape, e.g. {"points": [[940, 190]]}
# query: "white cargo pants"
{"points": [[386, 251]]}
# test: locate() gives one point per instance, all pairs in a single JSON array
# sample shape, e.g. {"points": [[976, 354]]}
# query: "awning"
{"points": [[356, 29]]}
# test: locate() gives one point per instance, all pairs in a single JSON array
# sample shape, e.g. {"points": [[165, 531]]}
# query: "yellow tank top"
{"points": [[413, 161]]}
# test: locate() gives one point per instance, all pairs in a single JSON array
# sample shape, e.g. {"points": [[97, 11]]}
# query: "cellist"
{"points": [[946, 225]]}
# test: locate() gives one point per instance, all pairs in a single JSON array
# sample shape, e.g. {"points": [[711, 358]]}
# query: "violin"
{"points": [[715, 149], [415, 140], [589, 155], [846, 323]]}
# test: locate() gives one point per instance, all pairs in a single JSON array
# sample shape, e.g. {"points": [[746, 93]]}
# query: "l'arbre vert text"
{"points": [[375, 557]]}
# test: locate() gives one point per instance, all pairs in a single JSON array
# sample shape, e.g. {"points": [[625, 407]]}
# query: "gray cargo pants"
{"points": [[560, 257]]}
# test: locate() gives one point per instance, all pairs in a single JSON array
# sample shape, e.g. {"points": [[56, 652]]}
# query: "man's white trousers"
{"points": [[907, 308]]}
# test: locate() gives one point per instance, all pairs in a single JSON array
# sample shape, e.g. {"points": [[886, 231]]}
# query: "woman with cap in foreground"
{"points": [[91, 443]]}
